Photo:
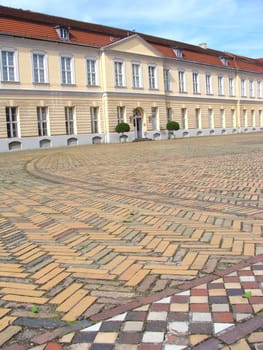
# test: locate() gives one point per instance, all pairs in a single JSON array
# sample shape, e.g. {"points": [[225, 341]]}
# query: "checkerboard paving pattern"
{"points": [[182, 320]]}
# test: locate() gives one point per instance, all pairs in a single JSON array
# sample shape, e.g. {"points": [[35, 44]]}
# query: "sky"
{"points": [[226, 25]]}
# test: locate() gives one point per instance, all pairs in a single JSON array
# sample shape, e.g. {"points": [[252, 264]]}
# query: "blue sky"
{"points": [[227, 25]]}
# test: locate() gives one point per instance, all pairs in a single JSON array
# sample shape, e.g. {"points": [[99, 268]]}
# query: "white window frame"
{"points": [[12, 124], [184, 118], [152, 76], [11, 68], [37, 70], [63, 32], [169, 114], [120, 114], [67, 72], [42, 121], [196, 82], [208, 84], [182, 81], [220, 81], [251, 88], [231, 85], [243, 86], [259, 89], [92, 71], [119, 73], [94, 119], [70, 124], [211, 118], [154, 118], [136, 75], [167, 78]]}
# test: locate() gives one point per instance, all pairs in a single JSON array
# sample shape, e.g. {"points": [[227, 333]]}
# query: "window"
{"points": [[253, 117], [196, 85], [154, 118], [152, 77], [233, 117], [220, 85], [69, 120], [120, 114], [198, 118], [231, 86], [169, 114], [211, 118], [259, 86], [66, 70], [42, 121], [39, 68], [223, 118], [136, 75], [224, 60], [245, 124], [11, 122], [8, 65], [91, 72], [251, 88], [94, 116], [63, 32], [184, 118], [181, 78], [208, 83], [167, 79], [178, 52], [243, 88], [119, 73]]}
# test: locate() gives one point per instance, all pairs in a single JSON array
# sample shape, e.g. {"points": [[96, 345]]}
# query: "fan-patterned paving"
{"points": [[84, 229]]}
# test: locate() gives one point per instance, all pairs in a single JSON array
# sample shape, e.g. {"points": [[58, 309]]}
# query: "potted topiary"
{"points": [[172, 126], [121, 128]]}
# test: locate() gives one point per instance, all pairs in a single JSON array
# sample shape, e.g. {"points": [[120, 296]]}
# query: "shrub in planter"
{"points": [[172, 126], [122, 128]]}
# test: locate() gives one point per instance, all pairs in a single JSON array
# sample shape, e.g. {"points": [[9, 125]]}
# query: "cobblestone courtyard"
{"points": [[86, 229]]}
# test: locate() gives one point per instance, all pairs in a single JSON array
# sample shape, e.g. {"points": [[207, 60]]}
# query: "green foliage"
{"points": [[247, 294], [35, 309], [172, 125], [122, 127]]}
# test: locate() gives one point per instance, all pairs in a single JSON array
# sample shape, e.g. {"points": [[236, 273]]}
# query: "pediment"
{"points": [[134, 44]]}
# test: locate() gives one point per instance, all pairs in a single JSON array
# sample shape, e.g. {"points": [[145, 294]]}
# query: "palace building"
{"points": [[65, 82]]}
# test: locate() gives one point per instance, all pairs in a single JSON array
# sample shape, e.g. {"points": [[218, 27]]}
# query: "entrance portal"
{"points": [[137, 120]]}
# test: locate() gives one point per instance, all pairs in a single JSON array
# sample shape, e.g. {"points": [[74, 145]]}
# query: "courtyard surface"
{"points": [[154, 245]]}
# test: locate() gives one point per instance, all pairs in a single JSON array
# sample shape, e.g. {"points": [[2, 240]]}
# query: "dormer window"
{"points": [[224, 60], [63, 32], [178, 52]]}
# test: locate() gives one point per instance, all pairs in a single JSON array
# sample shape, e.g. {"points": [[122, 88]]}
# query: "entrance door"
{"points": [[138, 124]]}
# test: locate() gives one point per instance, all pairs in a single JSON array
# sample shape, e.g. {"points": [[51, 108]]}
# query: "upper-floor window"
{"points": [[63, 32], [67, 70], [91, 72], [119, 74], [231, 86], [178, 52], [259, 88], [39, 68], [251, 88], [69, 120], [181, 79], [94, 118], [8, 64], [196, 84], [243, 88], [167, 79], [11, 122], [208, 84], [220, 85], [42, 121], [152, 77], [120, 114], [136, 75]]}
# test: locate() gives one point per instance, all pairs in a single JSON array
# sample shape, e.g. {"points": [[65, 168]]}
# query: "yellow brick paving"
{"points": [[81, 225]]}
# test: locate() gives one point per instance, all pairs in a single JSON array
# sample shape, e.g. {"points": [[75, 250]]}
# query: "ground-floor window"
{"points": [[94, 117], [69, 120], [120, 114], [11, 122], [184, 118], [42, 121]]}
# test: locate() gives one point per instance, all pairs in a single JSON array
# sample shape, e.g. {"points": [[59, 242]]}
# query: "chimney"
{"points": [[203, 45]]}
